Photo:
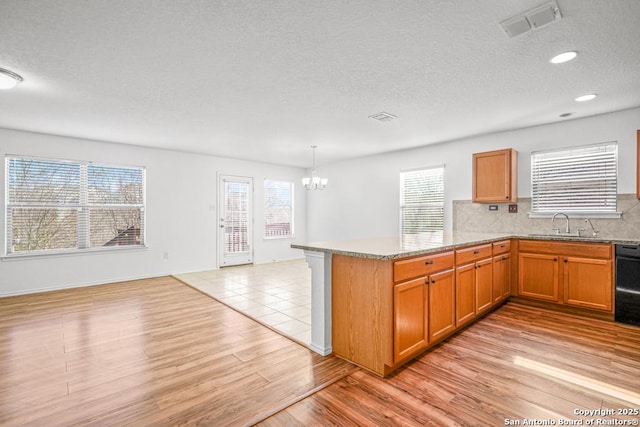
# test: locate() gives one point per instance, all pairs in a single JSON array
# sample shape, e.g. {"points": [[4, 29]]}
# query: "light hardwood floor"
{"points": [[152, 352], [517, 363], [157, 352]]}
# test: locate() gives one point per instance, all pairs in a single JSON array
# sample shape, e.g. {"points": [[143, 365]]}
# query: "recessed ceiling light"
{"points": [[585, 97], [8, 79], [563, 57]]}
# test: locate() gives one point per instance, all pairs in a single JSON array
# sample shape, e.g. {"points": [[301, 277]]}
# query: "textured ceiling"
{"points": [[265, 79]]}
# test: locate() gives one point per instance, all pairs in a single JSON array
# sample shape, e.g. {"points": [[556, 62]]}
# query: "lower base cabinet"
{"points": [[384, 312], [411, 321], [574, 274], [423, 312], [465, 294], [501, 277], [474, 286], [484, 286], [588, 283], [538, 276], [442, 305]]}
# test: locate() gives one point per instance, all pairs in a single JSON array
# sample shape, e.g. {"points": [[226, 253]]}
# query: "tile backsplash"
{"points": [[476, 217]]}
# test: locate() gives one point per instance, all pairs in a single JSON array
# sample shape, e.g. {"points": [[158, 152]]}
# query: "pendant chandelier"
{"points": [[314, 182]]}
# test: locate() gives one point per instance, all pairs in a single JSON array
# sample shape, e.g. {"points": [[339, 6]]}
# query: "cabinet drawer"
{"points": [[576, 249], [421, 266], [501, 247], [465, 256]]}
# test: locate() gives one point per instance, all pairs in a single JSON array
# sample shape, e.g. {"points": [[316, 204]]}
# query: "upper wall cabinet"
{"points": [[495, 176]]}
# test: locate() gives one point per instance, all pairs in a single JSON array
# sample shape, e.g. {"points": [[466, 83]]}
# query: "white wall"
{"points": [[363, 194], [181, 214]]}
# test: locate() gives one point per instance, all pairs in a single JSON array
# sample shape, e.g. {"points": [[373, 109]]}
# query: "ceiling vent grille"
{"points": [[383, 117], [533, 19]]}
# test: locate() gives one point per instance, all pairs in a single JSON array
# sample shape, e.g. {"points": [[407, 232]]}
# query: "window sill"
{"points": [[71, 253], [279, 237]]}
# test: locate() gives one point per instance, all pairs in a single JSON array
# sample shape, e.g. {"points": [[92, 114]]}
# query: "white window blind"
{"points": [[422, 201], [57, 205], [575, 180], [278, 209]]}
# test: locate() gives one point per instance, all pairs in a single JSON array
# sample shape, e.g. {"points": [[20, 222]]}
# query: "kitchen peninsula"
{"points": [[380, 302], [352, 283]]}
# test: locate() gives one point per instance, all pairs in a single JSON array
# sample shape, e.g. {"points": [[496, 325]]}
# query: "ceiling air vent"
{"points": [[532, 19], [383, 117]]}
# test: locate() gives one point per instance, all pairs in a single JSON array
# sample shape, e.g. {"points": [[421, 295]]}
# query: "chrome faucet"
{"points": [[553, 219]]}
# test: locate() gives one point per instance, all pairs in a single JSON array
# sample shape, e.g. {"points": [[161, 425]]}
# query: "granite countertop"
{"points": [[386, 248]]}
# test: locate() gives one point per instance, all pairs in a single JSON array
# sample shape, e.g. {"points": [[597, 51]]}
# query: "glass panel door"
{"points": [[235, 232]]}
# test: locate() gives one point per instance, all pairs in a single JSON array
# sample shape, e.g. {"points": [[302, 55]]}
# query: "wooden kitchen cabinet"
{"points": [[484, 285], [421, 286], [501, 268], [411, 332], [442, 305], [570, 273], [495, 176], [380, 315], [473, 282], [465, 294], [538, 276], [588, 283]]}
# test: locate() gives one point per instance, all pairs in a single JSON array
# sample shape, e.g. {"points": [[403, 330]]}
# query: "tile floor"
{"points": [[277, 294]]}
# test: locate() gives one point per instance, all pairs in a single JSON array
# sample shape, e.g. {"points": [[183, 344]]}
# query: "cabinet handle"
{"points": [[566, 260], [433, 281], [429, 262], [504, 258], [476, 252], [555, 259]]}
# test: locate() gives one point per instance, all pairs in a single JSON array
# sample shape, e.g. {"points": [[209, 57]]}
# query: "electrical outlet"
{"points": [[513, 208], [493, 207]]}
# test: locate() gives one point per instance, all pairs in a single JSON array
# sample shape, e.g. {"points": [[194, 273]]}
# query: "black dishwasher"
{"points": [[628, 284]]}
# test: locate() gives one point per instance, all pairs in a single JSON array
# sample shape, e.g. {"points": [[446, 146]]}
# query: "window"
{"points": [[278, 209], [579, 180], [57, 205], [421, 203]]}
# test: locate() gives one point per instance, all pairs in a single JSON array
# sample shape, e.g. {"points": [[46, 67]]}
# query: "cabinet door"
{"points": [[465, 294], [588, 283], [494, 176], [501, 277], [484, 285], [410, 326], [442, 304], [538, 276]]}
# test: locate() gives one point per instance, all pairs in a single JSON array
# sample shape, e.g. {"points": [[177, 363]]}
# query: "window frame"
{"points": [[83, 206], [291, 223], [436, 234], [576, 213]]}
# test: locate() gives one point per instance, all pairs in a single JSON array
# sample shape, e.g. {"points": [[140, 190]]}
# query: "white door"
{"points": [[235, 225]]}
